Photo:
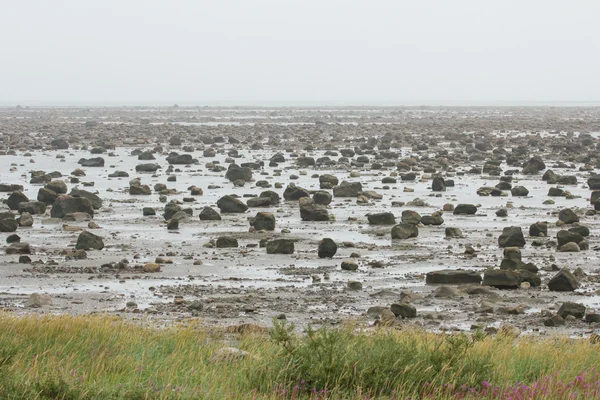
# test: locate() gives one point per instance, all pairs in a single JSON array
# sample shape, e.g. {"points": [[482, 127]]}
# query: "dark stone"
{"points": [[519, 191], [327, 248], [438, 184], [228, 204], [538, 229], [384, 218], [18, 248], [263, 221], [66, 204], [404, 231], [310, 211], [147, 168], [568, 216], [280, 246], [501, 279], [209, 214], [569, 308], [8, 225], [47, 196], [32, 207], [450, 276], [293, 192], [563, 237], [88, 240], [92, 162], [404, 310], [347, 189], [322, 197], [512, 236], [432, 220], [180, 159], [15, 199], [226, 242], [468, 209], [93, 198], [563, 281]]}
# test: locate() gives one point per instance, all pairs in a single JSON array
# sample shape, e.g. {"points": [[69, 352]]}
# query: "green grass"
{"points": [[101, 357]]}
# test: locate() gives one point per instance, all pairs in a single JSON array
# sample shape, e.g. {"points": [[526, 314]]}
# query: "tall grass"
{"points": [[101, 357]]}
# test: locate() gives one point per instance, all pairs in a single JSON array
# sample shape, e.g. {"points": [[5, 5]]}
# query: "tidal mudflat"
{"points": [[443, 218]]}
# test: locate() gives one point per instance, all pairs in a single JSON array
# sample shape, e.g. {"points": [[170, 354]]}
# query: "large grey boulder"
{"points": [[404, 231], [66, 204], [88, 240], [228, 204]]}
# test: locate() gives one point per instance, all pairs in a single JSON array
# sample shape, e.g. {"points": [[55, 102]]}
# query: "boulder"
{"points": [[404, 231], [512, 236], [226, 242], [327, 181], [519, 191], [8, 225], [15, 199], [18, 248], [349, 265], [594, 182], [569, 308], [59, 187], [384, 218], [152, 168], [347, 189], [327, 248], [538, 229], [404, 310], [309, 211], [258, 202], [453, 232], [293, 192], [570, 247], [88, 240], [263, 221], [563, 281], [180, 159], [563, 237], [93, 198], [235, 172], [450, 276], [432, 220], [137, 189], [228, 204], [10, 187], [568, 216], [501, 279], [47, 196], [534, 166], [280, 246], [91, 162], [489, 191], [66, 204], [411, 217], [438, 184], [468, 209], [32, 207], [26, 219], [119, 174], [209, 214], [271, 195], [322, 197]]}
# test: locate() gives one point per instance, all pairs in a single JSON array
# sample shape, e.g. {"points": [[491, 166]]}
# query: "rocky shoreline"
{"points": [[445, 218]]}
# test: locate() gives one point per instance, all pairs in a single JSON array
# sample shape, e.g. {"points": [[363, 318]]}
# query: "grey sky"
{"points": [[298, 51]]}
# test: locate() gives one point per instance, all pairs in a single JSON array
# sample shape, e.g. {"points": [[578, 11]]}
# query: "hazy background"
{"points": [[293, 52]]}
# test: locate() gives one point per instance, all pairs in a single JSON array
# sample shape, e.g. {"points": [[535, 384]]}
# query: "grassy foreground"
{"points": [[101, 357]]}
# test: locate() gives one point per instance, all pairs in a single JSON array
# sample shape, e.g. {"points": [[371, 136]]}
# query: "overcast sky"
{"points": [[298, 51]]}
